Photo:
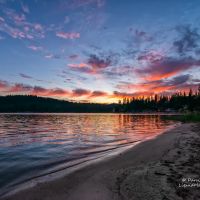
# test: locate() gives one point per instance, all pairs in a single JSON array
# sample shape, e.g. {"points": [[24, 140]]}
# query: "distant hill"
{"points": [[23, 103]]}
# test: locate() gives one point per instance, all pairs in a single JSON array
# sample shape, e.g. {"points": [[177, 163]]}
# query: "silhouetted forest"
{"points": [[159, 103], [180, 101], [23, 103]]}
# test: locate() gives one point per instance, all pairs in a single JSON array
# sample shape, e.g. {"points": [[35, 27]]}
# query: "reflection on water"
{"points": [[32, 144]]}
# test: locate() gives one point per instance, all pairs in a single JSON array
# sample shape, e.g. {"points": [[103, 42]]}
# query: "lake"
{"points": [[34, 145]]}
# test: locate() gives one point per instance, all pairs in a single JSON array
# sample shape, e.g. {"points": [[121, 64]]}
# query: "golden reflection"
{"points": [[79, 129]]}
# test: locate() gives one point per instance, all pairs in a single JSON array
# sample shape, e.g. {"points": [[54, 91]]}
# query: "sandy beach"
{"points": [[164, 168]]}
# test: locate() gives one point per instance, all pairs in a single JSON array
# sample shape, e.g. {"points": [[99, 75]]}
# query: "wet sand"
{"points": [[164, 168]]}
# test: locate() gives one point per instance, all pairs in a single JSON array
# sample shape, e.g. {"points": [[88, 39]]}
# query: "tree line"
{"points": [[28, 103], [180, 101]]}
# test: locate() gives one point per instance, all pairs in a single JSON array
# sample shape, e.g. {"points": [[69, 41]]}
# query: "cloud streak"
{"points": [[167, 67], [25, 76], [66, 35], [35, 48], [159, 86], [20, 88]]}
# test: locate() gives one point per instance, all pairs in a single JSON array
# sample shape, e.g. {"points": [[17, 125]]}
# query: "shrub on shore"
{"points": [[190, 117]]}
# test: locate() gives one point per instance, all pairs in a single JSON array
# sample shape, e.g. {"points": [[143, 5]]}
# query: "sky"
{"points": [[99, 50]]}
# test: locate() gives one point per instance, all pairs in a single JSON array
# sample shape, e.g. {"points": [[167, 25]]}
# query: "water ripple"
{"points": [[32, 144]]}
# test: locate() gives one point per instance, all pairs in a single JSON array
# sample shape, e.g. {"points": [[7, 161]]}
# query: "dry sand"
{"points": [[156, 169]]}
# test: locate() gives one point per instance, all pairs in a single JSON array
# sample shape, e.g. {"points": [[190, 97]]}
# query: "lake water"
{"points": [[33, 145]]}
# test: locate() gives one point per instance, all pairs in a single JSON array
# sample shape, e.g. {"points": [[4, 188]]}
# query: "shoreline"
{"points": [[68, 168], [114, 177], [71, 167]]}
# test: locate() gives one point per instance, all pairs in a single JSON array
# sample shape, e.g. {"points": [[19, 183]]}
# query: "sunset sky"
{"points": [[99, 50]]}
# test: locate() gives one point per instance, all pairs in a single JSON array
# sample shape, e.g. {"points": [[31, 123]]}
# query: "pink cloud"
{"points": [[80, 92], [167, 67], [35, 48], [52, 56], [18, 87], [3, 85], [16, 25], [38, 27], [66, 35], [94, 64], [181, 82], [49, 56], [16, 33], [57, 92]]}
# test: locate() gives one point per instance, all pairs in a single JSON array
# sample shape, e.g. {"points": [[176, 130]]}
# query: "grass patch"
{"points": [[192, 117]]}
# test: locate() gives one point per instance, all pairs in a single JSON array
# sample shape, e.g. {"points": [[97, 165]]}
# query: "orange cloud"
{"points": [[82, 67], [166, 68], [160, 86], [155, 76], [78, 65]]}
